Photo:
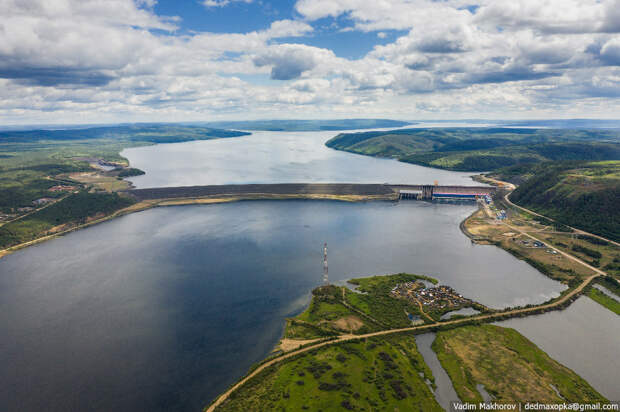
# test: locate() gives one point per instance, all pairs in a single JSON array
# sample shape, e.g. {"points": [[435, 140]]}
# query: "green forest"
{"points": [[74, 209], [482, 149], [582, 195], [30, 161]]}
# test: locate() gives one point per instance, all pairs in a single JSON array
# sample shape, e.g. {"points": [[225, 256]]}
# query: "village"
{"points": [[440, 298]]}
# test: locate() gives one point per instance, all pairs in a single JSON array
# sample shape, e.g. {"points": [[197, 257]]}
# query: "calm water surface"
{"points": [[444, 393], [584, 337], [163, 309], [273, 157]]}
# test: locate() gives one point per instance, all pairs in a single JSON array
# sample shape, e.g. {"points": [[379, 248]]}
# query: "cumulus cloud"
{"points": [[98, 58], [222, 3], [288, 28], [610, 52], [289, 61]]}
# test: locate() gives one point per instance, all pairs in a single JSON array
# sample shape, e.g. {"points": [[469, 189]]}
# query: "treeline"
{"points": [[131, 171], [153, 133], [74, 209], [560, 192], [467, 149]]}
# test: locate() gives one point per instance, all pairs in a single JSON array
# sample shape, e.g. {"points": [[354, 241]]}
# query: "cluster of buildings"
{"points": [[439, 297], [62, 188], [535, 243], [42, 201]]}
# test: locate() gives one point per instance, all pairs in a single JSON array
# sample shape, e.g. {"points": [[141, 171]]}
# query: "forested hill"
{"points": [[30, 161], [482, 149], [143, 133], [582, 195], [308, 125]]}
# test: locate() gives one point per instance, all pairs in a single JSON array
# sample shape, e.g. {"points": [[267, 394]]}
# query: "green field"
{"points": [[373, 374], [31, 161], [476, 149], [510, 367], [371, 310], [388, 373], [368, 309], [598, 296]]}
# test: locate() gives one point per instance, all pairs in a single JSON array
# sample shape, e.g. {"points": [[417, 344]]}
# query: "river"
{"points": [[273, 157], [165, 308]]}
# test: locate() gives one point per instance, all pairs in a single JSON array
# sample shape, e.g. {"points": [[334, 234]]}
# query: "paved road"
{"points": [[507, 199]]}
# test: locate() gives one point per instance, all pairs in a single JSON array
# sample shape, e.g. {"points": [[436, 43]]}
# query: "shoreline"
{"points": [[556, 304], [191, 195], [148, 204], [562, 301]]}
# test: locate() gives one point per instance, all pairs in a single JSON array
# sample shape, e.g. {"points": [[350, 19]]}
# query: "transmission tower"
{"points": [[325, 272]]}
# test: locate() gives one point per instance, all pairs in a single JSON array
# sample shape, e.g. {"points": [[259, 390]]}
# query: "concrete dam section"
{"points": [[370, 191]]}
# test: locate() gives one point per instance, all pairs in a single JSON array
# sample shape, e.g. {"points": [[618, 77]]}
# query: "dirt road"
{"points": [[488, 317]]}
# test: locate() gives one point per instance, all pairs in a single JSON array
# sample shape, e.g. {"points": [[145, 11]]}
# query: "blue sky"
{"points": [[81, 61], [334, 33]]}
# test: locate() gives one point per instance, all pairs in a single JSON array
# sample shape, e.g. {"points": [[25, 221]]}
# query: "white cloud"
{"points": [[96, 60], [290, 61], [288, 28], [222, 3]]}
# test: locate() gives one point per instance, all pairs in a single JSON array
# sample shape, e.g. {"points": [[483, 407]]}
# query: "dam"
{"points": [[284, 190]]}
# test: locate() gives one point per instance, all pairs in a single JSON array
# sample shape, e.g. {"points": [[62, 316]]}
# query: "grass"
{"points": [[510, 367], [376, 302], [598, 296], [369, 310], [604, 256], [327, 315], [31, 162], [553, 265], [385, 373], [601, 298]]}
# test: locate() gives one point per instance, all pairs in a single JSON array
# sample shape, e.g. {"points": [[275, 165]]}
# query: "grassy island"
{"points": [[380, 371], [509, 367]]}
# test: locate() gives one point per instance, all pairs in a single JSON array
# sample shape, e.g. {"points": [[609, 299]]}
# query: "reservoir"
{"points": [[165, 308], [273, 157]]}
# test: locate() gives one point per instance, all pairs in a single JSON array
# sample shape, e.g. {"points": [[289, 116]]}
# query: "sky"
{"points": [[103, 61]]}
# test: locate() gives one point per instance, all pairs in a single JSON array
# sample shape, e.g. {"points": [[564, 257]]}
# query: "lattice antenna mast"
{"points": [[325, 271]]}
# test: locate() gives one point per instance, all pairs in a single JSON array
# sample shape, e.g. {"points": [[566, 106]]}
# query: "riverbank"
{"points": [[223, 197], [573, 271], [558, 303], [211, 194]]}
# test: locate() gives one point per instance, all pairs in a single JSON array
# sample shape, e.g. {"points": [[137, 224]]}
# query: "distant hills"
{"points": [[308, 125], [482, 149], [144, 133], [580, 194]]}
